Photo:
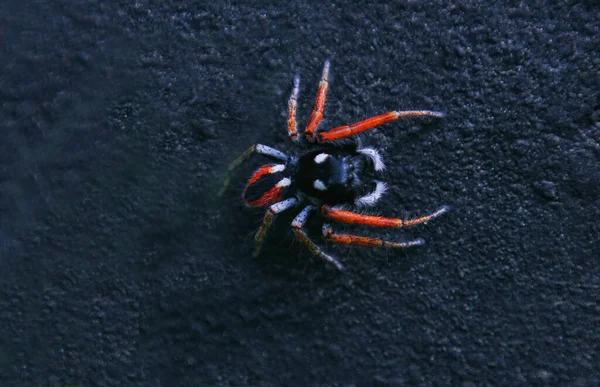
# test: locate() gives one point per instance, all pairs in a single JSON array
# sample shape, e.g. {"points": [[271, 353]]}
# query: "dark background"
{"points": [[119, 264]]}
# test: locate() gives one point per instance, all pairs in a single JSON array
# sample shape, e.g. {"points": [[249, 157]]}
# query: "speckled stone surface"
{"points": [[119, 264]]}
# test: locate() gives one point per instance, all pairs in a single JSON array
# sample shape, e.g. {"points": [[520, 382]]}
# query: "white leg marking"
{"points": [[410, 113], [300, 219], [331, 260], [296, 89], [284, 182], [272, 152], [283, 205], [416, 242], [325, 70], [277, 168], [441, 211]]}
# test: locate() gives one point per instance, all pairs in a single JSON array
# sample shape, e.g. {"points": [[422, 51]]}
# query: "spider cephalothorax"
{"points": [[330, 178]]}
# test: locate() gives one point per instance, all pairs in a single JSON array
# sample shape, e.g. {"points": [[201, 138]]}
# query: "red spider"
{"points": [[330, 178]]}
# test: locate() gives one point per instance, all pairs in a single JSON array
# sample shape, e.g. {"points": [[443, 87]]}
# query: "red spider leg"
{"points": [[273, 195], [268, 219], [350, 130], [256, 148], [297, 227], [291, 122], [349, 239], [317, 113], [350, 217]]}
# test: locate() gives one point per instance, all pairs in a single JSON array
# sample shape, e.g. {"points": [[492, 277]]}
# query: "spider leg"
{"points": [[264, 150], [317, 113], [350, 130], [291, 122], [298, 225], [349, 239], [350, 217], [268, 219]]}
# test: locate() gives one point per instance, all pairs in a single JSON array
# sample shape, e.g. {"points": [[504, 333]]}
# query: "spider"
{"points": [[330, 178]]}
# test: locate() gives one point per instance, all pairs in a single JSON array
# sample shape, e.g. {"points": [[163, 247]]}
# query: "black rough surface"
{"points": [[119, 265]]}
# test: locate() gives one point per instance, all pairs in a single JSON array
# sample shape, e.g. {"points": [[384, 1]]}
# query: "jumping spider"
{"points": [[330, 178]]}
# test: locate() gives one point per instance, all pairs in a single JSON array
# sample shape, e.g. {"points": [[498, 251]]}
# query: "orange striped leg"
{"points": [[350, 130], [350, 217], [297, 227], [268, 219], [317, 113], [348, 239], [264, 150], [291, 122]]}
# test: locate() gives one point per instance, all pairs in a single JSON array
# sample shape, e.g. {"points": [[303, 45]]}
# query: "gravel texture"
{"points": [[119, 264]]}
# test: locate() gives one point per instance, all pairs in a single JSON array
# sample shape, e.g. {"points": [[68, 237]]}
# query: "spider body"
{"points": [[330, 178]]}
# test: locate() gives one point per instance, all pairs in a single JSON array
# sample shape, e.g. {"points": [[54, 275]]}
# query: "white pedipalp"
{"points": [[375, 157], [370, 199]]}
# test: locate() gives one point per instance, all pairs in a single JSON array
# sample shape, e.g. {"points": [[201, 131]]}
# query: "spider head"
{"points": [[338, 177]]}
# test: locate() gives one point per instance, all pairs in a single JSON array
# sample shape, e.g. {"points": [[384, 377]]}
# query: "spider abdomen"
{"points": [[266, 186]]}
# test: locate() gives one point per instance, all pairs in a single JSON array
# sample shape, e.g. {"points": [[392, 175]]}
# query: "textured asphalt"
{"points": [[119, 265]]}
